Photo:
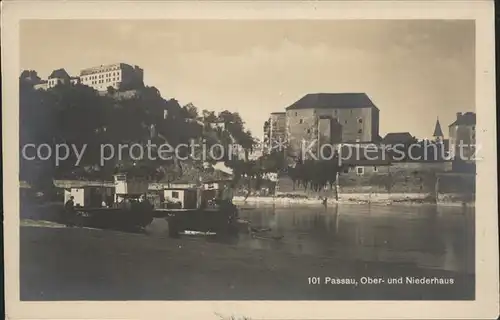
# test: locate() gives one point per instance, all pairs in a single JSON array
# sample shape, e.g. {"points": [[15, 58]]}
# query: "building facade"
{"points": [[462, 132], [274, 132], [117, 76], [58, 77], [331, 118], [42, 85]]}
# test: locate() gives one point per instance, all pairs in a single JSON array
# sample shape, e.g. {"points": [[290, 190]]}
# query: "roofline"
{"points": [[180, 182], [373, 106], [461, 124], [402, 132], [94, 69], [367, 107]]}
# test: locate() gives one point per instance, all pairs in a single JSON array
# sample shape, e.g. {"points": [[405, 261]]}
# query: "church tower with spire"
{"points": [[438, 133]]}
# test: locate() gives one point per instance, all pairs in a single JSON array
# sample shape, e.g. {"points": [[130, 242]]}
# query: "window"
{"points": [[301, 121], [308, 130], [360, 131], [345, 122], [360, 170], [351, 111], [295, 113], [375, 169], [360, 120], [473, 128], [346, 170], [175, 194]]}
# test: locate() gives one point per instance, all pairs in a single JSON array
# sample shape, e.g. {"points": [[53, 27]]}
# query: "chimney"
{"points": [[459, 114]]}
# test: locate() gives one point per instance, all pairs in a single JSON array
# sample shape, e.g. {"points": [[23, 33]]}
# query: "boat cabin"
{"points": [[219, 189], [181, 198], [127, 187], [90, 196]]}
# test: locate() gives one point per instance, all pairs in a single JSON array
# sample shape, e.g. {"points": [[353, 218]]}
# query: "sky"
{"points": [[415, 71]]}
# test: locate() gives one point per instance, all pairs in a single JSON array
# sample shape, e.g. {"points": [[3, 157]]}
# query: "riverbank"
{"points": [[358, 198]]}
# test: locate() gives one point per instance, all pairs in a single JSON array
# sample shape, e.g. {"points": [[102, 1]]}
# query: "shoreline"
{"points": [[360, 199]]}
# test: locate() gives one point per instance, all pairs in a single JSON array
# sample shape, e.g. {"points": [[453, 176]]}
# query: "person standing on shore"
{"points": [[69, 212]]}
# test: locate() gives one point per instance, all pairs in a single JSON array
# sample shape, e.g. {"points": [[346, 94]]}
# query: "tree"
{"points": [[78, 115], [208, 116], [111, 90], [190, 111], [315, 175]]}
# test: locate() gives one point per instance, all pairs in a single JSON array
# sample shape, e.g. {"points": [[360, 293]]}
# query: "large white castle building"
{"points": [[119, 76]]}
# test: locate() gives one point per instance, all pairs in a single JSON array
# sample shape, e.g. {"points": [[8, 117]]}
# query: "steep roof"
{"points": [[468, 118], [397, 137], [333, 101], [59, 73], [437, 130], [29, 74]]}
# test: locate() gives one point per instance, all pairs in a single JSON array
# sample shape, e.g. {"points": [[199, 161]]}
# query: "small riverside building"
{"points": [[185, 198], [90, 196], [126, 187]]}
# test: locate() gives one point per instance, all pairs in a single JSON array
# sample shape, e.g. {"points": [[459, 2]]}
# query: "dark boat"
{"points": [[134, 217], [205, 209], [122, 205]]}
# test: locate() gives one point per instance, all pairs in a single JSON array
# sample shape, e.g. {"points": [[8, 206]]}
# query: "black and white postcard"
{"points": [[249, 160]]}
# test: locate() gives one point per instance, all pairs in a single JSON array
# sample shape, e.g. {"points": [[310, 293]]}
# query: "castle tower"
{"points": [[438, 133]]}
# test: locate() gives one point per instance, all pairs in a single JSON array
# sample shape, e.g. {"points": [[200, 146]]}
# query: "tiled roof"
{"points": [[437, 130], [468, 118], [397, 137], [102, 68], [59, 73], [333, 101]]}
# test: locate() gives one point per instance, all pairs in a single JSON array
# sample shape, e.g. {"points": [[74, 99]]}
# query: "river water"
{"points": [[389, 241], [427, 236]]}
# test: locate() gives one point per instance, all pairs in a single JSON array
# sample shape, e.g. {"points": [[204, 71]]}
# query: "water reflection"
{"points": [[427, 235]]}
